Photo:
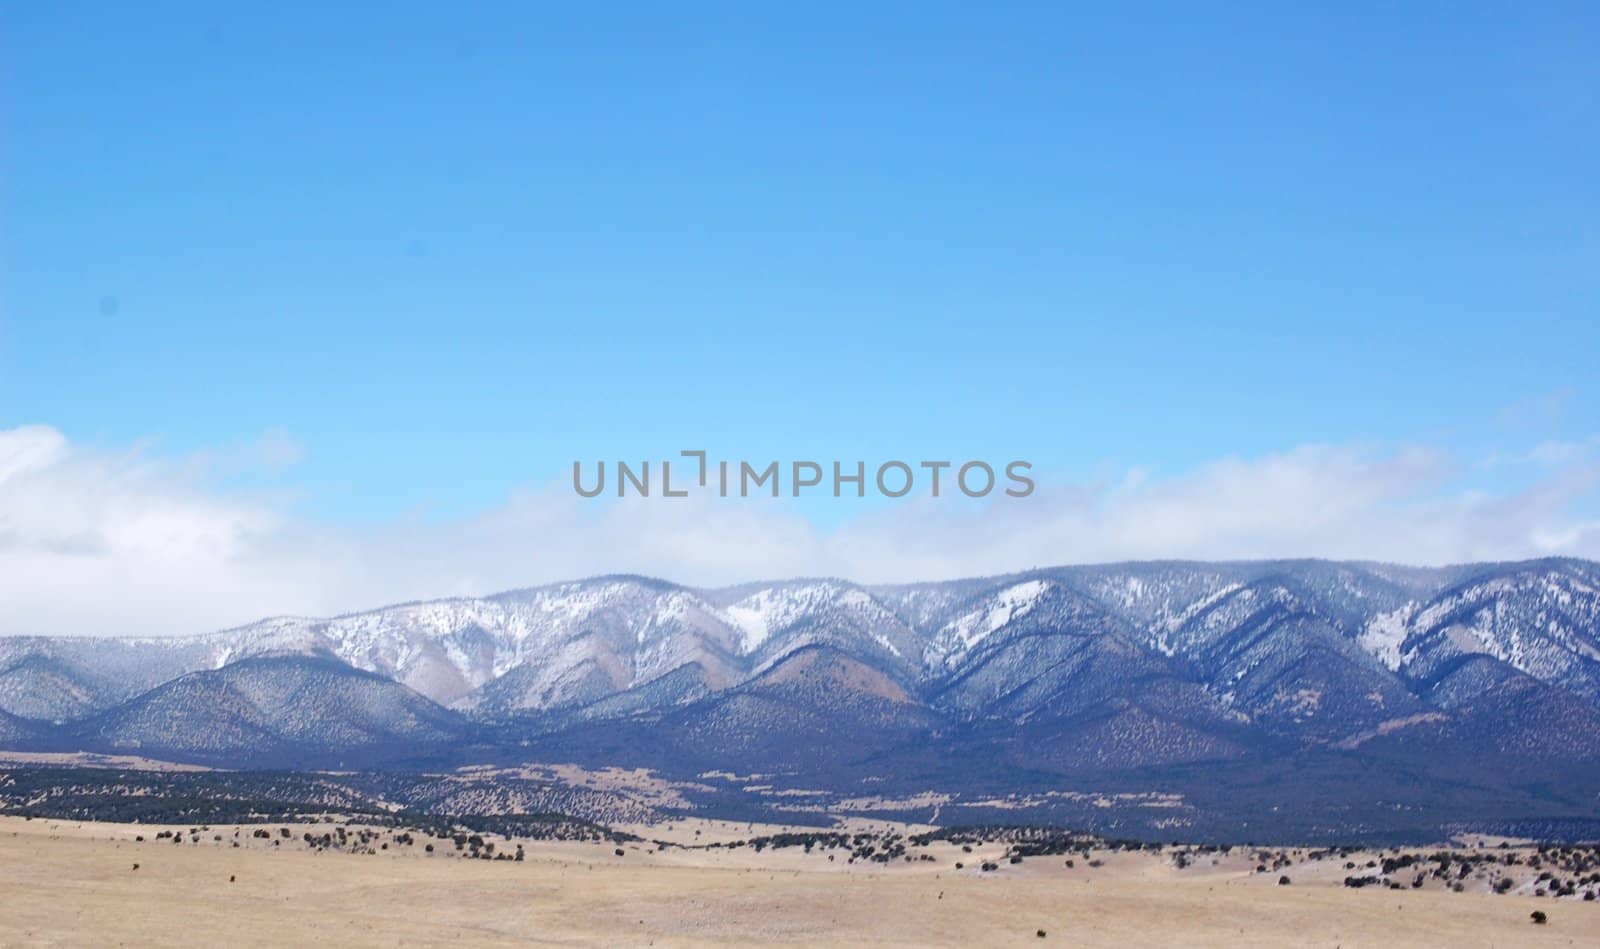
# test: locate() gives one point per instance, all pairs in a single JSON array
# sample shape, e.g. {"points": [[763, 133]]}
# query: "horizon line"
{"points": [[869, 587]]}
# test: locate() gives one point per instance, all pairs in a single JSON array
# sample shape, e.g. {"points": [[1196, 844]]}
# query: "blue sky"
{"points": [[443, 253]]}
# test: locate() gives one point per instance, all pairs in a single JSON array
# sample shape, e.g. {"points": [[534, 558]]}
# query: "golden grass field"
{"points": [[74, 884]]}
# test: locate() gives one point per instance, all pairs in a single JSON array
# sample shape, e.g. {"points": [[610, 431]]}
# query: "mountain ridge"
{"points": [[739, 623], [1135, 673]]}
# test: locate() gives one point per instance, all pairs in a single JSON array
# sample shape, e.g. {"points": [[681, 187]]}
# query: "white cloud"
{"points": [[97, 543]]}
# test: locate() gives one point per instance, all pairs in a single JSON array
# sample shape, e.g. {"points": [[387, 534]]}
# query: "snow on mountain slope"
{"points": [[527, 649], [779, 619], [1542, 619], [1386, 631], [547, 646], [1282, 639], [995, 612], [67, 678]]}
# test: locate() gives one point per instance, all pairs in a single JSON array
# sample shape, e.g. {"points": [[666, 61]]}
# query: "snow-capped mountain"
{"points": [[1124, 665], [527, 649]]}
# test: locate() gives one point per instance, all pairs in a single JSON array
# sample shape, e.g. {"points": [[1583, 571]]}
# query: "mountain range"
{"points": [[1360, 696]]}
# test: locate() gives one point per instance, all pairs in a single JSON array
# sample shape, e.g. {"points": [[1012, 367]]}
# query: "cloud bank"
{"points": [[102, 543]]}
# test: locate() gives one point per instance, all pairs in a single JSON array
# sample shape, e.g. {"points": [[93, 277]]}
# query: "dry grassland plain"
{"points": [[72, 884]]}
